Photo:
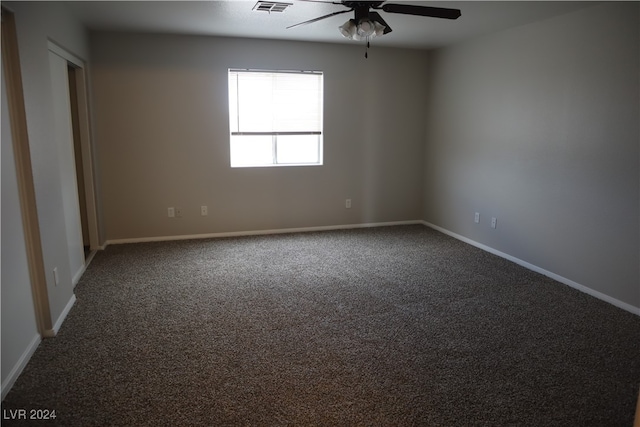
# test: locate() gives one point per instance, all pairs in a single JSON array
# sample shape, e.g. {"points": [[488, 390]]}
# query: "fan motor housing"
{"points": [[367, 4], [361, 8]]}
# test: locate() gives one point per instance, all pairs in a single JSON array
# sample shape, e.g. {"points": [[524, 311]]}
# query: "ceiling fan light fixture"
{"points": [[378, 29], [362, 30], [365, 28], [348, 29]]}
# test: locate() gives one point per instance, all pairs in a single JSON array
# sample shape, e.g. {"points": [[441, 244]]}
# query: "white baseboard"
{"points": [[260, 232], [80, 272], [78, 275], [620, 304], [63, 315], [20, 365]]}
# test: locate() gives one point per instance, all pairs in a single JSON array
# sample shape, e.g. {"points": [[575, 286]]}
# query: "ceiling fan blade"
{"points": [[434, 12], [320, 18], [376, 17]]}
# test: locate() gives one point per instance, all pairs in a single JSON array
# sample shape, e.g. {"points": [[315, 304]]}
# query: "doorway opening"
{"points": [[77, 152]]}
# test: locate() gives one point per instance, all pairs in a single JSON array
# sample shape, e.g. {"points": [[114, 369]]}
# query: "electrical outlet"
{"points": [[347, 203], [178, 212], [204, 211], [494, 222], [476, 218], [171, 212]]}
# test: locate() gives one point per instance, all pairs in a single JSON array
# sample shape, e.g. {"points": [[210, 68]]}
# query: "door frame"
{"points": [[24, 172]]}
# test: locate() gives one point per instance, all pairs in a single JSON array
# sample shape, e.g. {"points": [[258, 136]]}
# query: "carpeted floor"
{"points": [[392, 326]]}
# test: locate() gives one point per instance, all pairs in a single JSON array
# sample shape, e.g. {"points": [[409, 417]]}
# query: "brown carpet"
{"points": [[392, 326]]}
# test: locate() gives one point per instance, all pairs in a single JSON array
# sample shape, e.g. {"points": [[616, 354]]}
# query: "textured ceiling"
{"points": [[238, 19]]}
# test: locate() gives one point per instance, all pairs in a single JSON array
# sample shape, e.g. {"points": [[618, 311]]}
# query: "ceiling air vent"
{"points": [[270, 6]]}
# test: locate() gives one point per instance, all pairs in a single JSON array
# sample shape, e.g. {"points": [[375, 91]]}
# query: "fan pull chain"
{"points": [[366, 51]]}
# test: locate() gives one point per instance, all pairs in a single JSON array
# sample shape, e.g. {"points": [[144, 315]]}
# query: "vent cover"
{"points": [[270, 6]]}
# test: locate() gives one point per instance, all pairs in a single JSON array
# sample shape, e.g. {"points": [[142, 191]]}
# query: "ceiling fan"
{"points": [[368, 23]]}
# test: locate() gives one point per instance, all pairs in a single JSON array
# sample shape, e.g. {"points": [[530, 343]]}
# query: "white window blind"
{"points": [[275, 117]]}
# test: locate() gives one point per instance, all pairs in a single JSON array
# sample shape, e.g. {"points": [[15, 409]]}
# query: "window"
{"points": [[275, 118]]}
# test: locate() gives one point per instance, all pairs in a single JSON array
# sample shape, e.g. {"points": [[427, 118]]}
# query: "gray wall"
{"points": [[539, 127], [161, 126], [36, 24]]}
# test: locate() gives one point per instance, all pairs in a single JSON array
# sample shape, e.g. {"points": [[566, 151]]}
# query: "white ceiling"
{"points": [[236, 18]]}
